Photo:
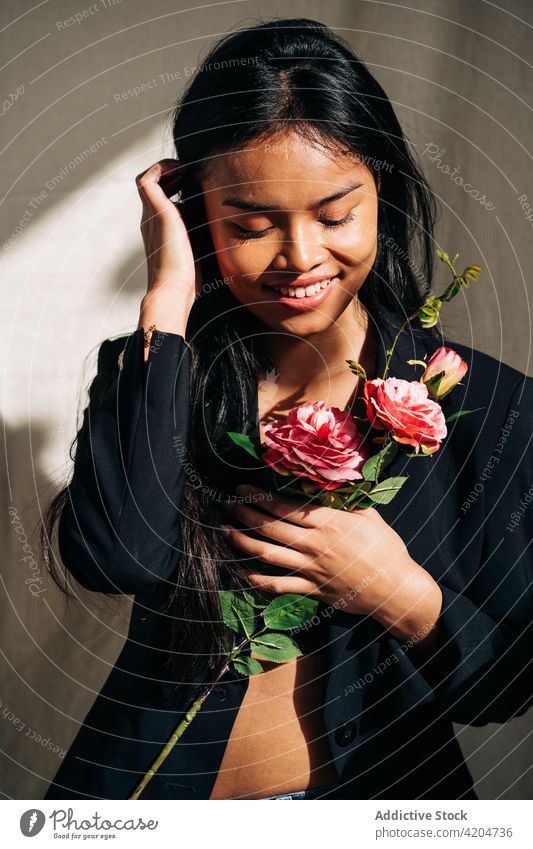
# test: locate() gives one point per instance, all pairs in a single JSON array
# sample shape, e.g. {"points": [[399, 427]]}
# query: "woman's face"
{"points": [[286, 213]]}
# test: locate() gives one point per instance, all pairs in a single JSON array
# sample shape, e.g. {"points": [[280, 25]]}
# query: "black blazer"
{"points": [[464, 515]]}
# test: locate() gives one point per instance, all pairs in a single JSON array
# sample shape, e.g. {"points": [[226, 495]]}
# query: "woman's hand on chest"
{"points": [[354, 561]]}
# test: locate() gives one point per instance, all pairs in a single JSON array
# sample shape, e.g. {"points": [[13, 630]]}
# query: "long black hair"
{"points": [[282, 74]]}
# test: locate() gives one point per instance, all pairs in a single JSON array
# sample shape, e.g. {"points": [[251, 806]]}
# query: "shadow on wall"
{"points": [[53, 659], [88, 92]]}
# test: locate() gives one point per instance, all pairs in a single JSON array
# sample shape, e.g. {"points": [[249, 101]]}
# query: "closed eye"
{"points": [[250, 234], [258, 234], [328, 222]]}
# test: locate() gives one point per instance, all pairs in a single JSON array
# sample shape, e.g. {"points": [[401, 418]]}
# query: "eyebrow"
{"points": [[261, 207]]}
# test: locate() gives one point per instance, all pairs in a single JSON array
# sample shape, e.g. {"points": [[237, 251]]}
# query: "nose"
{"points": [[300, 250]]}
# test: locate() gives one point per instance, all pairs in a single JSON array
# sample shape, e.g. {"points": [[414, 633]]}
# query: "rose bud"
{"points": [[444, 370]]}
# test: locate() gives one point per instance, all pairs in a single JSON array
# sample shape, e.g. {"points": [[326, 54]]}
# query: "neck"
{"points": [[302, 362]]}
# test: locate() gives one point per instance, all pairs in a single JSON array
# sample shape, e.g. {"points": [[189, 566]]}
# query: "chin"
{"points": [[305, 324]]}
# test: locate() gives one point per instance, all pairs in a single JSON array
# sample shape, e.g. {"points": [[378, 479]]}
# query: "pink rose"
{"points": [[321, 443], [403, 408], [444, 371]]}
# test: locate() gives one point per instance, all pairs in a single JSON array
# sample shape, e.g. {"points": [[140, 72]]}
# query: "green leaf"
{"points": [[429, 312], [443, 256], [357, 369], [247, 665], [237, 613], [265, 640], [385, 491], [363, 489], [375, 464], [364, 486], [276, 647], [332, 498], [472, 272], [346, 489], [229, 641], [248, 625], [288, 611], [309, 487], [433, 385], [462, 413], [365, 502], [453, 289], [257, 598], [244, 441], [459, 281]]}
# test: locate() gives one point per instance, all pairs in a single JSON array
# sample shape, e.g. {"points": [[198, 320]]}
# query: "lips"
{"points": [[303, 291], [303, 298], [298, 282]]}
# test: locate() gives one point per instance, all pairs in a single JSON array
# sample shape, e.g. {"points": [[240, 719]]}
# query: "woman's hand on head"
{"points": [[169, 255]]}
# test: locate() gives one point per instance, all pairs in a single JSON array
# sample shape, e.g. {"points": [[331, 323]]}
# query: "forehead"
{"points": [[283, 166]]}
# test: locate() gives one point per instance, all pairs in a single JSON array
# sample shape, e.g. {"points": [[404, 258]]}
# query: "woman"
{"points": [[292, 249]]}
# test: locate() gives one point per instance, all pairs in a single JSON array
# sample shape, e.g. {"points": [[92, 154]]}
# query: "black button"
{"points": [[344, 734], [220, 693]]}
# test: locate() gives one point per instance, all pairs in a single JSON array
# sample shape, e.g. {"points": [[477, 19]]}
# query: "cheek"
{"points": [[243, 260], [360, 239], [223, 249]]}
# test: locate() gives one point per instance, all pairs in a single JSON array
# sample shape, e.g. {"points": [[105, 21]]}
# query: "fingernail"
{"points": [[226, 530]]}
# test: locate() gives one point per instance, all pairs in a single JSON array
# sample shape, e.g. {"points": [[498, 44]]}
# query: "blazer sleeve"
{"points": [[119, 530], [482, 667]]}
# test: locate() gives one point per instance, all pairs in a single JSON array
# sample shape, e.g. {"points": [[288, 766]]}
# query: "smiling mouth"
{"points": [[301, 291]]}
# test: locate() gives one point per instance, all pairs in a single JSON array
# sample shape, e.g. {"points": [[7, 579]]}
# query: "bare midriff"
{"points": [[278, 742]]}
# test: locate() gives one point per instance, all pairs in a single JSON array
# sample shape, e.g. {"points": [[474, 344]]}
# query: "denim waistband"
{"points": [[310, 793]]}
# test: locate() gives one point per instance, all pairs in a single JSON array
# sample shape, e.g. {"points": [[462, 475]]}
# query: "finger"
{"points": [[278, 555], [153, 197], [273, 584], [282, 531], [154, 184], [172, 181], [164, 169], [295, 510]]}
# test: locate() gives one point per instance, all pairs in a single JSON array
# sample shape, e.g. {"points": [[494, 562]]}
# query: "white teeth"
{"points": [[301, 292]]}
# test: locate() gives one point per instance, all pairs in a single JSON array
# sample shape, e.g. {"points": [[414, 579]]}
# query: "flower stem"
{"points": [[165, 751], [455, 277], [184, 724], [391, 349]]}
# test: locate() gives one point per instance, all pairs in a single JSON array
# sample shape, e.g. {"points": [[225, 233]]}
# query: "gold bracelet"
{"points": [[147, 340], [148, 335]]}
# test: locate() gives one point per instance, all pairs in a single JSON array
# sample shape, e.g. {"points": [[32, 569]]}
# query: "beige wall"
{"points": [[457, 73]]}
